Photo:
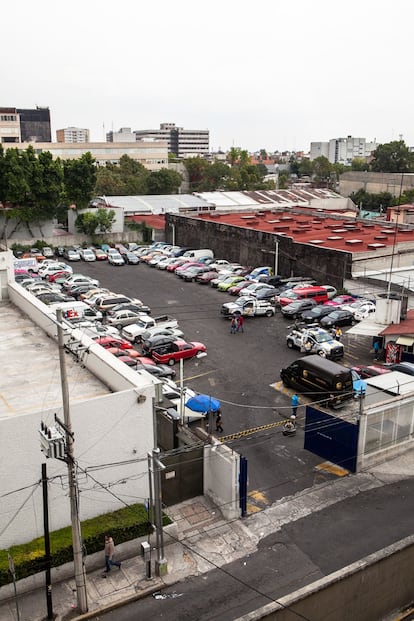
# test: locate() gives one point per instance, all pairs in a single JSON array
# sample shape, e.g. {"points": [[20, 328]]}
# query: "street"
{"points": [[240, 370]]}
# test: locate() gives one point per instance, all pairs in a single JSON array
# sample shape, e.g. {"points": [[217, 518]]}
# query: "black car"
{"points": [[268, 293], [402, 367], [158, 370], [295, 309], [130, 257], [77, 290], [316, 313], [337, 318], [53, 298], [191, 274], [156, 342]]}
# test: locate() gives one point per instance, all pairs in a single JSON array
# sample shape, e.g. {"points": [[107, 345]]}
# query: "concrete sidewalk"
{"points": [[198, 541]]}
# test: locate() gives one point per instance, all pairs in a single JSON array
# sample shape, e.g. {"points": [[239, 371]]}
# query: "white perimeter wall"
{"points": [[112, 437], [221, 473]]}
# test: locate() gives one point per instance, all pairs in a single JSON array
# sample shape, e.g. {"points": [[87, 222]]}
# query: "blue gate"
{"points": [[332, 438]]}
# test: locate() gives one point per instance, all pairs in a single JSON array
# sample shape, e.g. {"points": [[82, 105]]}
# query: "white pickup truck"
{"points": [[314, 340], [134, 331], [248, 307]]}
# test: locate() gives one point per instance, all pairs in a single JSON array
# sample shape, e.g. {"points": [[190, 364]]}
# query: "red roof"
{"points": [[318, 229], [153, 222]]}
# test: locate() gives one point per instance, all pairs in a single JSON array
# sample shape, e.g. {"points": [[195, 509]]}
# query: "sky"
{"points": [[273, 75]]}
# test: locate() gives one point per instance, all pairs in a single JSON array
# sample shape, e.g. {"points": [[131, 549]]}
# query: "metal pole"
{"points": [[160, 563], [13, 573], [80, 577], [181, 391], [48, 581], [276, 255], [395, 237]]}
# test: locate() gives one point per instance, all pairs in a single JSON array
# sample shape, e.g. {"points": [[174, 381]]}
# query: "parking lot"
{"points": [[241, 370]]}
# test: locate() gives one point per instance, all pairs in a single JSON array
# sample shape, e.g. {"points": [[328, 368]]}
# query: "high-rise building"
{"points": [[182, 142], [72, 134], [35, 125], [9, 125]]}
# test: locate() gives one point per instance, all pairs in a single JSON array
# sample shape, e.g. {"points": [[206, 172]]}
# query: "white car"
{"points": [[122, 318], [53, 268], [159, 331], [79, 279], [87, 254], [114, 258], [364, 311], [358, 305]]}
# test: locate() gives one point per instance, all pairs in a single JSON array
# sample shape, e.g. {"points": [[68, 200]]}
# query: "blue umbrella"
{"points": [[203, 403]]}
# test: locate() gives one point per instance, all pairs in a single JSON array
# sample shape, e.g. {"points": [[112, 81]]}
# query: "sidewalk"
{"points": [[199, 540]]}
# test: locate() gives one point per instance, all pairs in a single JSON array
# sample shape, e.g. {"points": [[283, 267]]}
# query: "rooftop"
{"points": [[319, 229], [30, 381]]}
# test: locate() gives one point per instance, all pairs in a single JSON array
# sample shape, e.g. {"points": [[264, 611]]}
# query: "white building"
{"points": [[123, 135], [72, 135], [342, 150]]}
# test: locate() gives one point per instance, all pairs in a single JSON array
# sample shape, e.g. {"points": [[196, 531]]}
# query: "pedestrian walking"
{"points": [[219, 426], [109, 555], [294, 403], [233, 325], [376, 350], [338, 333], [240, 323]]}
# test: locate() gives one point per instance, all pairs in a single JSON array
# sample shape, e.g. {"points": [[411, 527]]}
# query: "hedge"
{"points": [[29, 558]]}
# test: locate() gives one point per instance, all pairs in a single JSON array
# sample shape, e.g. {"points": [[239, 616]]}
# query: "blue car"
{"points": [[259, 271]]}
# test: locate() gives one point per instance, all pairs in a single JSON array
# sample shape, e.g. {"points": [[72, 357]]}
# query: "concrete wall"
{"points": [[374, 183], [117, 226], [250, 247], [367, 590], [113, 434], [221, 471]]}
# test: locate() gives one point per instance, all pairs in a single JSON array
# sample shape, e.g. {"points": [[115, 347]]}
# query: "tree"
{"points": [[393, 157], [196, 169], [359, 164], [164, 181], [305, 168], [97, 221], [80, 180], [322, 169]]}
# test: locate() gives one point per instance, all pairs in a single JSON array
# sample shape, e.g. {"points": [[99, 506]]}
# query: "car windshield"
{"points": [[334, 315], [323, 337], [291, 295]]}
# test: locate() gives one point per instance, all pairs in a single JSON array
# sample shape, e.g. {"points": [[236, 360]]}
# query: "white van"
{"points": [[76, 310], [196, 255]]}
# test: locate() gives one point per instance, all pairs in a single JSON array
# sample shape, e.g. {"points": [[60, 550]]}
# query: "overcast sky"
{"points": [[272, 74]]}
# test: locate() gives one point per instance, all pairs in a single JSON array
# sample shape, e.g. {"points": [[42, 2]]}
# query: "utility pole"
{"points": [[80, 577], [157, 466], [48, 584]]}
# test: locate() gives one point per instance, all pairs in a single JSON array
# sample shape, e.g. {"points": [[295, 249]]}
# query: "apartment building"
{"points": [[342, 150], [182, 142], [9, 125], [123, 135], [72, 135]]}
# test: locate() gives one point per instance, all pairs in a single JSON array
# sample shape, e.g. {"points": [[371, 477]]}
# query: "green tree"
{"points": [[322, 169], [196, 169], [164, 181], [359, 164], [283, 180], [305, 168], [79, 180], [393, 157], [93, 222]]}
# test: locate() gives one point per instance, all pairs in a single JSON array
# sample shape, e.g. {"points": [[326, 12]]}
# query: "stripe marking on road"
{"points": [[328, 466]]}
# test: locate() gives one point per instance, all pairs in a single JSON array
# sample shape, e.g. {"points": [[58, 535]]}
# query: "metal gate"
{"points": [[183, 475], [332, 438]]}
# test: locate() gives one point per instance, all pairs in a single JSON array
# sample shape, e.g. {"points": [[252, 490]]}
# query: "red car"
{"points": [[205, 277], [173, 266], [170, 353], [110, 341], [370, 370], [131, 353], [240, 285], [340, 299], [59, 276], [187, 265]]}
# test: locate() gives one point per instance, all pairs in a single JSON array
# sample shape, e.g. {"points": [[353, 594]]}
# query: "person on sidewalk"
{"points": [[376, 350], [109, 554], [219, 427]]}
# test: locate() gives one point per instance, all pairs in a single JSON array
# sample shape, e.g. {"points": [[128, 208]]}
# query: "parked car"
{"points": [[156, 331], [206, 277], [295, 309], [370, 370], [337, 318], [130, 257], [100, 254], [59, 277], [114, 258], [132, 306], [171, 267], [87, 254], [177, 350], [191, 274], [47, 252], [403, 367], [186, 266], [340, 300], [77, 279], [71, 254], [122, 318], [364, 311], [159, 370], [47, 269], [316, 313], [111, 341], [254, 287], [228, 282], [235, 289], [331, 291], [159, 340], [216, 281]]}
